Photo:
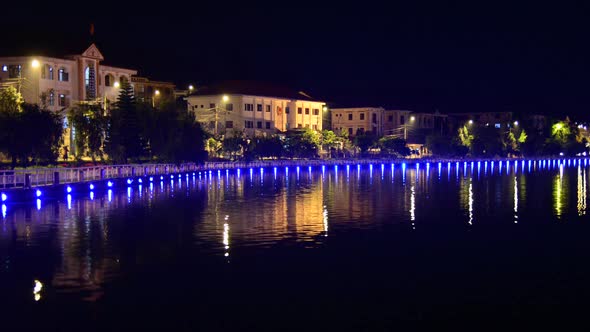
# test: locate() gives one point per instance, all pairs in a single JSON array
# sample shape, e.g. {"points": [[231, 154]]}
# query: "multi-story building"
{"points": [[62, 82], [499, 120], [254, 108], [358, 120], [152, 92]]}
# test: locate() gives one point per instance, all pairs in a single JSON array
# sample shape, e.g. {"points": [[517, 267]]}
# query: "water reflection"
{"points": [[582, 189], [88, 240]]}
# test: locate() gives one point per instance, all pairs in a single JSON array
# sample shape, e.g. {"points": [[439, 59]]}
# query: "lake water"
{"points": [[349, 248]]}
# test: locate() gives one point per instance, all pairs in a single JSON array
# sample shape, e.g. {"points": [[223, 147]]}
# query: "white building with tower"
{"points": [[62, 82]]}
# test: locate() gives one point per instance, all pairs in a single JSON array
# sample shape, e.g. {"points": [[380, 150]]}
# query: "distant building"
{"points": [[152, 92], [358, 120], [254, 108], [498, 120]]}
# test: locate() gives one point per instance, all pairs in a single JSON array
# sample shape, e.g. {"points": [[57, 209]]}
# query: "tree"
{"points": [[465, 136], [394, 145], [10, 100], [213, 146], [302, 143], [124, 137], [233, 144], [365, 141], [90, 124]]}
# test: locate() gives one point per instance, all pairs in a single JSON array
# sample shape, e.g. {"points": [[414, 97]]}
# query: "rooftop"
{"points": [[252, 88]]}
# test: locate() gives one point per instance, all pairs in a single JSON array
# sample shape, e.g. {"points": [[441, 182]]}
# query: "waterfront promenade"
{"points": [[26, 181]]}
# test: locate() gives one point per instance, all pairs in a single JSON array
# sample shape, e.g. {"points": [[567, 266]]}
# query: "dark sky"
{"points": [[451, 57]]}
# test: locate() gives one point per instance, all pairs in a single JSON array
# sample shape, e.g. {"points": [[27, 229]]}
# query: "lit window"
{"points": [[63, 75], [51, 99], [497, 125], [316, 111], [4, 68], [51, 73], [62, 100]]}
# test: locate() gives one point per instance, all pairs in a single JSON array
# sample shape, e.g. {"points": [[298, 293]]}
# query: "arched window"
{"points": [[87, 77], [50, 71], [107, 80], [51, 98]]}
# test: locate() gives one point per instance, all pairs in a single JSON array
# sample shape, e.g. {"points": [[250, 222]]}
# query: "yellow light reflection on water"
{"points": [[38, 286], [470, 202], [413, 206], [581, 191], [515, 199], [558, 193]]}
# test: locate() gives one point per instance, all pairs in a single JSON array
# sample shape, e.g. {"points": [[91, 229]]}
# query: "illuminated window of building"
{"points": [[497, 125], [62, 75], [316, 111], [268, 108], [51, 73], [51, 98], [62, 100]]}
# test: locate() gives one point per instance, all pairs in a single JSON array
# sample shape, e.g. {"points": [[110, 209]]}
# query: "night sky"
{"points": [[453, 58]]}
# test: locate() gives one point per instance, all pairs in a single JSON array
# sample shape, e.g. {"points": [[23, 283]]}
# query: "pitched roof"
{"points": [[252, 88]]}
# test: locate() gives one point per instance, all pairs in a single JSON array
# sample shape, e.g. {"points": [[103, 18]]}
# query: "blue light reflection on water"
{"points": [[304, 211]]}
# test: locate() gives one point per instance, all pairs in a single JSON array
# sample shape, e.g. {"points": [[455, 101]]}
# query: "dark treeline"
{"points": [[129, 132]]}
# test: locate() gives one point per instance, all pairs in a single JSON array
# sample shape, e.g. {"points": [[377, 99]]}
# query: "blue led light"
{"points": [[140, 180], [109, 184], [4, 197], [129, 181], [152, 178], [38, 193], [91, 186]]}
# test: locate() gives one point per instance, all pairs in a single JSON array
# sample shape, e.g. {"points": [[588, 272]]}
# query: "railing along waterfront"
{"points": [[36, 177]]}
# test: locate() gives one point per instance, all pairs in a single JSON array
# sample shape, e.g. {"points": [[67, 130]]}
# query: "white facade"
{"points": [[255, 115], [63, 82]]}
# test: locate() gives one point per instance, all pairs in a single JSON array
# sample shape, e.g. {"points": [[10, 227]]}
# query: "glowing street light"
{"points": [[191, 88], [225, 98], [412, 118], [35, 63], [157, 92], [470, 122], [516, 123], [117, 84]]}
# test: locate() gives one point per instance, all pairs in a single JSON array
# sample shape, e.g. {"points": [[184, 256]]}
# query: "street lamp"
{"points": [[116, 85], [156, 94], [225, 99], [190, 88], [516, 123], [35, 63], [470, 122]]}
